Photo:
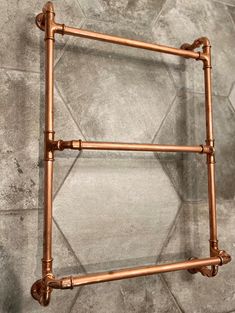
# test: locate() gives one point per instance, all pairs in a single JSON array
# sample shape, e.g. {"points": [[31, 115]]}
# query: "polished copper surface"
{"points": [[73, 281], [97, 145], [42, 288]]}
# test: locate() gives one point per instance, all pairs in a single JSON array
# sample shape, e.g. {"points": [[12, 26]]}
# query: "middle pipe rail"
{"points": [[97, 145]]}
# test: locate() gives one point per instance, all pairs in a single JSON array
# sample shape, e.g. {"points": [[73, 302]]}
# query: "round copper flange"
{"points": [[36, 290], [40, 18]]}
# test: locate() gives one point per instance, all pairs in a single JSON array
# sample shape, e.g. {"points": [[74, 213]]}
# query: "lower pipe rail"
{"points": [[194, 265]]}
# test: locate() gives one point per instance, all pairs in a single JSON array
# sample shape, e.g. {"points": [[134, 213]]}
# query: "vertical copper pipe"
{"points": [[210, 142], [48, 152], [48, 165]]}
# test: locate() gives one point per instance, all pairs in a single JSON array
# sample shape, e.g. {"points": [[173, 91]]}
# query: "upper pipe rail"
{"points": [[72, 31], [66, 30], [96, 145]]}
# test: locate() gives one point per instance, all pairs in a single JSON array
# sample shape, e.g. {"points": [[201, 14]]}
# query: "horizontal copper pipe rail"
{"points": [[41, 289], [65, 30], [74, 281], [96, 145], [72, 31]]}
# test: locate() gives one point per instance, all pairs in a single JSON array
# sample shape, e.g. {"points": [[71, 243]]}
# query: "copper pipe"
{"points": [[72, 31], [96, 145], [210, 157], [74, 281], [66, 30], [42, 288], [48, 153]]}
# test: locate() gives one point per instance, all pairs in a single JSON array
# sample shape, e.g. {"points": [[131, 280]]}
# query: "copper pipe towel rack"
{"points": [[41, 289]]}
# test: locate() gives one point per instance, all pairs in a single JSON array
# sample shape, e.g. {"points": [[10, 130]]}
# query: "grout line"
{"points": [[69, 109], [171, 231], [8, 68], [167, 67], [229, 14], [170, 293], [166, 170], [75, 299], [164, 118], [157, 16], [231, 105], [190, 90], [20, 211], [231, 89], [71, 39], [224, 3], [69, 246], [79, 5], [66, 176]]}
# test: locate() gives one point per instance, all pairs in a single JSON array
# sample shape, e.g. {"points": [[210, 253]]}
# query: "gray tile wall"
{"points": [[111, 209]]}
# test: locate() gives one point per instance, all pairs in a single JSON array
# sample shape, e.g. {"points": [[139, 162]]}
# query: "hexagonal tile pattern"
{"points": [[116, 210], [20, 37], [136, 295], [184, 21], [194, 293], [20, 255], [115, 93], [141, 12], [185, 125]]}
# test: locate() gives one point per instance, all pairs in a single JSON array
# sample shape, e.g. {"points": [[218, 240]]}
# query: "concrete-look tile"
{"points": [[116, 210], [115, 93], [19, 128], [184, 21], [20, 38], [20, 254], [138, 295], [185, 125], [195, 293], [140, 12]]}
